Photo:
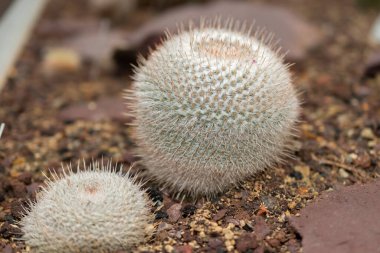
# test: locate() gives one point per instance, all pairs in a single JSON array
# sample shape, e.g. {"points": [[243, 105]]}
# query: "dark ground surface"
{"points": [[4, 5], [338, 145]]}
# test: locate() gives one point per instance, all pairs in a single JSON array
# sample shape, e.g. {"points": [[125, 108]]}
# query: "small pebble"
{"points": [[234, 221], [168, 248], [183, 249], [261, 228], [343, 173], [219, 215], [274, 242], [215, 243], [164, 226], [367, 133], [60, 60], [174, 212], [245, 242]]}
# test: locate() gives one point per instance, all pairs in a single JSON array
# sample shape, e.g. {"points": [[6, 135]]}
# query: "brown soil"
{"points": [[339, 141]]}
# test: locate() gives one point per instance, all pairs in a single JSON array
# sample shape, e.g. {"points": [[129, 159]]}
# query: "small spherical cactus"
{"points": [[95, 210], [212, 106]]}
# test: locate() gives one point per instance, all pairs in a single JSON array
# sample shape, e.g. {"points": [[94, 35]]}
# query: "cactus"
{"points": [[212, 106], [95, 210]]}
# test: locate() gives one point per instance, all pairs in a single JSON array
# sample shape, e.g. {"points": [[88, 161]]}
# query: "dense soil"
{"points": [[338, 144]]}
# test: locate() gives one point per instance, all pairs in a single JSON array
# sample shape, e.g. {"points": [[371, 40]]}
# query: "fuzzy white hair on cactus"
{"points": [[94, 210], [213, 105]]}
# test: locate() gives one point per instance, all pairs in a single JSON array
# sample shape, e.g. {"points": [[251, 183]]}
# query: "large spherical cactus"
{"points": [[212, 106], [96, 210]]}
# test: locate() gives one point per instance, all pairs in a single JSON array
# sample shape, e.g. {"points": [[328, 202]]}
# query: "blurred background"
{"points": [[109, 34]]}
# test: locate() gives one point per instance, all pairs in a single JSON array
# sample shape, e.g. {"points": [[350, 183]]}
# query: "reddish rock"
{"points": [[183, 249], [274, 242], [103, 109], [215, 243], [97, 46], [363, 160], [66, 27], [219, 215], [259, 250], [174, 212], [187, 237], [293, 246], [7, 249], [345, 220], [246, 241], [296, 36], [261, 228]]}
